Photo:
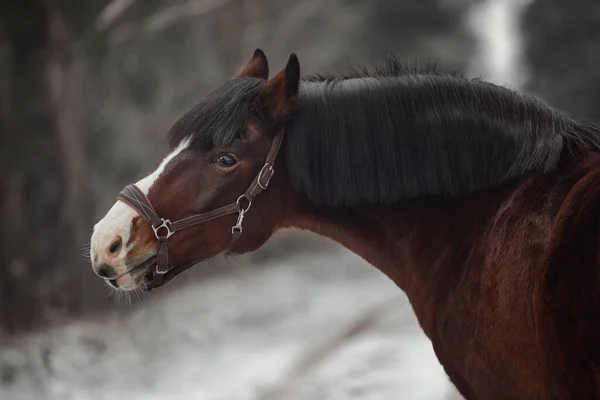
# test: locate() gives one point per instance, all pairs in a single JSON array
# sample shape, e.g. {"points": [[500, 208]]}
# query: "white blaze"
{"points": [[118, 220]]}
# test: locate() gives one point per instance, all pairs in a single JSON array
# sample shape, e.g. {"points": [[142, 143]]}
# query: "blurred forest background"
{"points": [[88, 88]]}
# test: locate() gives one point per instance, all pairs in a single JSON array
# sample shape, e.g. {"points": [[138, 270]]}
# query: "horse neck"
{"points": [[422, 246], [395, 238]]}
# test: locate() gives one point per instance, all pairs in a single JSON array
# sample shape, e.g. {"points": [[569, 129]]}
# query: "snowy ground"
{"points": [[319, 325]]}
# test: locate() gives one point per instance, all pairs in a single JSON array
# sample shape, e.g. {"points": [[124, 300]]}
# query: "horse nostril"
{"points": [[115, 246], [106, 271]]}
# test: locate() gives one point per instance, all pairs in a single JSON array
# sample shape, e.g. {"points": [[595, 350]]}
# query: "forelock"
{"points": [[220, 117]]}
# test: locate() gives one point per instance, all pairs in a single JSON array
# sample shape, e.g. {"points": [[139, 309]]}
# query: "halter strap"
{"points": [[163, 228]]}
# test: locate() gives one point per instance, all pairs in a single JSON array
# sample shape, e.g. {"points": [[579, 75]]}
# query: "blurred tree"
{"points": [[426, 30], [46, 206], [562, 51], [87, 89]]}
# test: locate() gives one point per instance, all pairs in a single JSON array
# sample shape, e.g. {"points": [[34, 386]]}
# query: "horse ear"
{"points": [[279, 94], [257, 67]]}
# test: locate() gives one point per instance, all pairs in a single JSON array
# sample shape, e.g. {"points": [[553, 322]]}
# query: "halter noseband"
{"points": [[164, 228]]}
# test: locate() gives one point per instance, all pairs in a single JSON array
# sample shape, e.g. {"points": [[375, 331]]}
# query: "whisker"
{"points": [[110, 292], [138, 293], [121, 297], [86, 250]]}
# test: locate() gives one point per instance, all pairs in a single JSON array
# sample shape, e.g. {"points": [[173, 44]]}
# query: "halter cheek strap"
{"points": [[164, 228]]}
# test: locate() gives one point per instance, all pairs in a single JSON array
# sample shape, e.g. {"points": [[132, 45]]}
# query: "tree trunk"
{"points": [[44, 208]]}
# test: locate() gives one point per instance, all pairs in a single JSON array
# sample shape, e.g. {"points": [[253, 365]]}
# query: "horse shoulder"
{"points": [[567, 295]]}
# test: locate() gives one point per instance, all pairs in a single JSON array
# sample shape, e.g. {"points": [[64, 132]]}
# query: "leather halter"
{"points": [[164, 228]]}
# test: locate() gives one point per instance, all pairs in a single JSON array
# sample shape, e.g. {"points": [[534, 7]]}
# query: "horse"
{"points": [[480, 203]]}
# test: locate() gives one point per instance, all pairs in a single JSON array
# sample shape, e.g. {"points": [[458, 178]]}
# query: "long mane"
{"points": [[392, 133]]}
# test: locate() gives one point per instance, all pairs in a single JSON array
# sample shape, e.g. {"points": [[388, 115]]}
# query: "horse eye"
{"points": [[226, 160]]}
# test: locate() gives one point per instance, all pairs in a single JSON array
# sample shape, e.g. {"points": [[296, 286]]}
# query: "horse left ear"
{"points": [[257, 67], [279, 94]]}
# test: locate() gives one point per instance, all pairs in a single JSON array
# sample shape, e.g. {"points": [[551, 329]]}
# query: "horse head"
{"points": [[201, 197]]}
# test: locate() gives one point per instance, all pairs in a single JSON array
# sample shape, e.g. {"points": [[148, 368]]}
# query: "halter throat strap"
{"points": [[163, 228]]}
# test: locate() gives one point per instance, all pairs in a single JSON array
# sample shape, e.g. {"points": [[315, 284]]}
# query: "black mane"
{"points": [[392, 133]]}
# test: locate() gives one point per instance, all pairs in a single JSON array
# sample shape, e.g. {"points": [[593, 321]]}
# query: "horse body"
{"points": [[473, 270], [482, 205]]}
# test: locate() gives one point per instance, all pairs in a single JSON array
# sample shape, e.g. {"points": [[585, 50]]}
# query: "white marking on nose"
{"points": [[118, 220]]}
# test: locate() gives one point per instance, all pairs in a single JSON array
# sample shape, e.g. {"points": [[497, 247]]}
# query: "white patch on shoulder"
{"points": [[118, 220]]}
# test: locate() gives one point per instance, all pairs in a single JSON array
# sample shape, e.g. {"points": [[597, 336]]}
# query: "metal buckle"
{"points": [[266, 171], [159, 271], [165, 224], [237, 228]]}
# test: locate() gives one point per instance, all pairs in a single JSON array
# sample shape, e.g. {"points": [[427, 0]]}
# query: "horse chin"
{"points": [[137, 277]]}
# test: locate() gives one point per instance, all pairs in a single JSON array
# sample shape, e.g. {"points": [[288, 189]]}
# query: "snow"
{"points": [[314, 325]]}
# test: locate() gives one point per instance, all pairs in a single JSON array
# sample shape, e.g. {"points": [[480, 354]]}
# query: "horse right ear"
{"points": [[278, 96]]}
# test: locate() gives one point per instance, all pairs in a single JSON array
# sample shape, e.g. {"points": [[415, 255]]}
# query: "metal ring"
{"points": [[244, 196], [165, 224]]}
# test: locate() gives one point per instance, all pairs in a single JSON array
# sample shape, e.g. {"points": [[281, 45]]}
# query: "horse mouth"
{"points": [[143, 271]]}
